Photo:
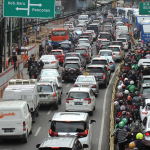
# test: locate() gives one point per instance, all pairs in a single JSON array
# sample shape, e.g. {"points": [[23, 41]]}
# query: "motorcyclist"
{"points": [[134, 78], [131, 87], [132, 145], [136, 130], [41, 64], [135, 65], [33, 72], [125, 95], [124, 76], [30, 62], [126, 82], [36, 64], [126, 67], [123, 110]]}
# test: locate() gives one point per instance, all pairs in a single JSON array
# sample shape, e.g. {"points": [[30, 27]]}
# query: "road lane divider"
{"points": [[37, 132], [49, 112], [68, 85]]}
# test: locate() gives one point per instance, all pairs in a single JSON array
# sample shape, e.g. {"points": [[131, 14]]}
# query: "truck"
{"points": [[25, 90], [145, 32]]}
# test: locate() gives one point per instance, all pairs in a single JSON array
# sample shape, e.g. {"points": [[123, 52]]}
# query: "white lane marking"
{"points": [[103, 112], [68, 85], [37, 132], [49, 112]]}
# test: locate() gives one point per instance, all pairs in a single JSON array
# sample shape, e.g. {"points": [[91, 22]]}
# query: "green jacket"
{"points": [[131, 88], [135, 67]]}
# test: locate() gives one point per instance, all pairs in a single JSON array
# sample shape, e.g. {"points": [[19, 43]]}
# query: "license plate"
{"points": [[85, 86], [78, 103], [8, 130], [46, 63]]}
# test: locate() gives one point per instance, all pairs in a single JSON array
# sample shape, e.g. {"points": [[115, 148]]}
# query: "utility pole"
{"points": [[11, 36], [22, 31], [5, 42]]}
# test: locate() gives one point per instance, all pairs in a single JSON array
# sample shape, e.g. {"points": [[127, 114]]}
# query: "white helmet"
{"points": [[131, 82], [119, 87], [126, 79], [126, 92], [116, 103]]}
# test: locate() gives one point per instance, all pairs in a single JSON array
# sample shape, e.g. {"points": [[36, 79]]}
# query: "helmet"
{"points": [[125, 120], [126, 65], [132, 82], [120, 102], [126, 92], [122, 108], [126, 127], [139, 51], [35, 61], [126, 79], [124, 113], [121, 124], [117, 120], [129, 98], [132, 145], [139, 136], [123, 86], [145, 67], [33, 66], [119, 88], [116, 103], [125, 75], [136, 93], [137, 125]]}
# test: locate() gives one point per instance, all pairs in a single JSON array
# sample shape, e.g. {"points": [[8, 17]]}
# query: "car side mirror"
{"points": [[85, 146], [38, 145], [66, 93], [92, 121], [49, 120], [142, 104]]}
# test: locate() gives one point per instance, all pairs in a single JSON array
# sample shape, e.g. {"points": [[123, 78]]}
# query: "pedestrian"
{"points": [[34, 28], [14, 57], [10, 60], [19, 48], [27, 37], [13, 50], [38, 30], [24, 40]]}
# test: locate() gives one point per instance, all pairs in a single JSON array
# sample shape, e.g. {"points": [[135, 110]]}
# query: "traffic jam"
{"points": [[78, 67]]}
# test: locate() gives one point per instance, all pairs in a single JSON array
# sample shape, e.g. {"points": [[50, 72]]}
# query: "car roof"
{"points": [[146, 76], [72, 58], [106, 50], [117, 41], [95, 58], [94, 65], [145, 84], [79, 89], [104, 33], [73, 53], [56, 50], [82, 39], [58, 142], [82, 44], [49, 70], [122, 38], [45, 83], [86, 76], [114, 46], [69, 116]]}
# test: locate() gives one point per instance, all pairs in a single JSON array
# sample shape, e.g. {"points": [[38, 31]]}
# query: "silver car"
{"points": [[89, 82], [118, 53]]}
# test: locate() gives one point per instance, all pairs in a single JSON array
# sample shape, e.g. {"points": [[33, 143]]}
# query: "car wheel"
{"points": [[60, 100], [105, 85], [58, 67], [26, 138], [31, 131], [56, 106], [91, 113]]}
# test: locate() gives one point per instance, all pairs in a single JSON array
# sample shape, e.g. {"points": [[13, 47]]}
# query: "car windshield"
{"points": [[117, 43], [107, 23], [65, 45], [47, 57], [146, 90], [106, 53], [59, 33], [44, 88], [123, 40], [85, 79], [146, 80], [114, 49], [47, 73], [102, 62], [83, 41], [58, 126], [105, 36], [72, 65], [78, 95], [94, 70], [127, 36], [105, 42], [81, 50], [56, 52]]}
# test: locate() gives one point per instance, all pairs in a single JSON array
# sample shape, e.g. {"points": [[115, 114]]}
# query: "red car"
{"points": [[59, 55]]}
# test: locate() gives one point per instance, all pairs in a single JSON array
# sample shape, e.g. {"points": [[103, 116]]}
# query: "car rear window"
{"points": [[114, 49], [87, 79], [80, 50], [52, 148], [47, 73], [105, 36], [83, 41], [72, 65], [95, 70], [78, 95], [44, 88], [71, 55], [146, 80], [107, 27], [56, 53], [72, 60], [59, 33], [58, 126], [105, 42], [102, 62], [105, 53], [123, 40], [117, 43], [127, 36], [65, 45], [146, 90]]}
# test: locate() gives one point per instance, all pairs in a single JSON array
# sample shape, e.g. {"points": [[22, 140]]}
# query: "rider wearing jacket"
{"points": [[131, 87]]}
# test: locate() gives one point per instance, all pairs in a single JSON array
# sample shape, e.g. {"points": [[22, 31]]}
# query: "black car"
{"points": [[75, 54], [66, 46], [100, 72], [105, 35], [71, 70]]}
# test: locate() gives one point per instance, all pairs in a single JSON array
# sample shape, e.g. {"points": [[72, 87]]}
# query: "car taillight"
{"points": [[111, 63], [126, 42], [94, 86], [130, 41], [51, 133], [119, 53], [98, 55], [70, 49], [80, 69], [63, 69], [101, 45], [140, 95], [88, 99], [104, 76], [85, 133], [112, 55], [59, 77], [54, 94], [24, 126], [76, 85], [53, 62], [68, 99], [32, 75], [85, 54], [147, 134], [144, 113]]}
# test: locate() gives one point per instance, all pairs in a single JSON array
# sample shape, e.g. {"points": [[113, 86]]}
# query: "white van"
{"points": [[15, 120], [83, 19]]}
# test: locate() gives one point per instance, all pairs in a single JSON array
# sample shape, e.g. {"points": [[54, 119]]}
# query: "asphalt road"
{"points": [[100, 139]]}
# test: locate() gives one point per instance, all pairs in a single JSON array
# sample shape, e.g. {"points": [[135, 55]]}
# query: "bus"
{"points": [[145, 32], [84, 4], [58, 35]]}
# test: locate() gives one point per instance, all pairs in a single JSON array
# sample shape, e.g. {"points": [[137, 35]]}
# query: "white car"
{"points": [[83, 40], [72, 124], [80, 99], [145, 111], [50, 61], [72, 59], [125, 42]]}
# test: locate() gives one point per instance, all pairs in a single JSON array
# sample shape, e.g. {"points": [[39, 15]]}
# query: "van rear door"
{"points": [[11, 122]]}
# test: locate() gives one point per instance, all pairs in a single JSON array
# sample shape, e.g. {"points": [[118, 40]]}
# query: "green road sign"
{"points": [[29, 8], [57, 12], [144, 8]]}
